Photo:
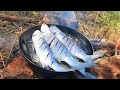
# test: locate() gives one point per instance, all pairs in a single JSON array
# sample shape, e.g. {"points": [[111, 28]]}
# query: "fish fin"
{"points": [[89, 65], [96, 56]]}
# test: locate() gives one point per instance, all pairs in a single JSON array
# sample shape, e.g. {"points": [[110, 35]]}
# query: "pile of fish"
{"points": [[60, 52]]}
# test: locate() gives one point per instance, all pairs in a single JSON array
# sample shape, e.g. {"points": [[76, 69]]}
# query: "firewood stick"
{"points": [[15, 18]]}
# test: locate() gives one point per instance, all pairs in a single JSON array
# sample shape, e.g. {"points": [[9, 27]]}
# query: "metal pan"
{"points": [[23, 42]]}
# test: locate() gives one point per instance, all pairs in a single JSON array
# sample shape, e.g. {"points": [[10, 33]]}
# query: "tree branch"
{"points": [[15, 18]]}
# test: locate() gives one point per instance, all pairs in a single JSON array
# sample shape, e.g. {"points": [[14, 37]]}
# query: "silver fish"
{"points": [[45, 54], [61, 53], [34, 56], [72, 45]]}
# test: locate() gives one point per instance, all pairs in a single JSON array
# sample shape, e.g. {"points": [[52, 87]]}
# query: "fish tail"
{"points": [[82, 55], [90, 76], [86, 74]]}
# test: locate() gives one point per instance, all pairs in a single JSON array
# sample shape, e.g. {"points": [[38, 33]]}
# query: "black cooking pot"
{"points": [[23, 40]]}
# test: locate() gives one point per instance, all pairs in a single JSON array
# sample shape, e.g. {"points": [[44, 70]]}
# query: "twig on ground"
{"points": [[15, 18], [103, 35]]}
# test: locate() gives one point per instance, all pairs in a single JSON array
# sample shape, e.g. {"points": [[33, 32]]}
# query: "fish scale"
{"points": [[45, 54], [63, 54], [53, 44], [69, 58], [68, 41], [42, 48], [59, 52], [74, 49], [71, 45], [57, 47]]}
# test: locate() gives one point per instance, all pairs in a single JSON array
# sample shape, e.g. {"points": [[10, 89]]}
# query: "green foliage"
{"points": [[109, 19]]}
